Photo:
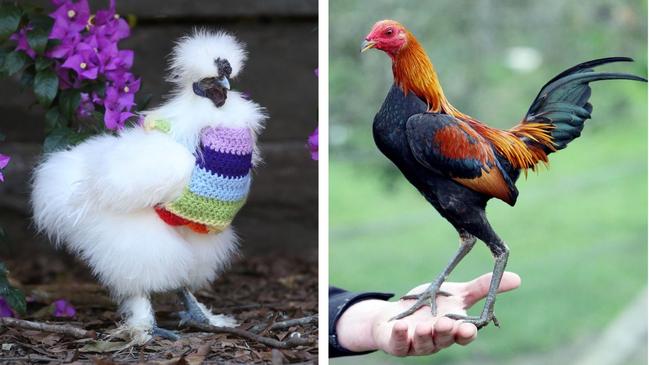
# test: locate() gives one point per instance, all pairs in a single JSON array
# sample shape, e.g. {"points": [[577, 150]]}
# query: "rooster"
{"points": [[149, 209], [458, 163]]}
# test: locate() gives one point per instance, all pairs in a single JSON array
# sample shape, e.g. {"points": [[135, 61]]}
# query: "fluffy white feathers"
{"points": [[193, 56], [98, 197]]}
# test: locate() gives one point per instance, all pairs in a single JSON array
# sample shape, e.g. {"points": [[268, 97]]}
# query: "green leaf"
{"points": [[15, 62], [143, 100], [76, 138], [57, 140], [54, 120], [27, 77], [9, 19], [41, 22], [46, 85], [14, 297], [61, 138], [69, 102], [43, 63], [37, 39]]}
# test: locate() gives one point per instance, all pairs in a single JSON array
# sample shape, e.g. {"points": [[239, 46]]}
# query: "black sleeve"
{"points": [[339, 301]]}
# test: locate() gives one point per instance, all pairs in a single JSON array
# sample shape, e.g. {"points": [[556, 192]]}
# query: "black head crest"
{"points": [[223, 66]]}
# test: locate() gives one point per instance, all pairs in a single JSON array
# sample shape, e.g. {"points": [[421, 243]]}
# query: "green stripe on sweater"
{"points": [[211, 212]]}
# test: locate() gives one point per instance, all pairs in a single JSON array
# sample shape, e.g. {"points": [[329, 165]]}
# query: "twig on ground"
{"points": [[294, 322], [291, 342], [64, 329], [261, 329]]}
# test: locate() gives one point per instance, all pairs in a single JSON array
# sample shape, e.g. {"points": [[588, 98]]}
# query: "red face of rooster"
{"points": [[387, 35]]}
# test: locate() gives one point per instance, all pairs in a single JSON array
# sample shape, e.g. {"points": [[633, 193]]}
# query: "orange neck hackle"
{"points": [[414, 72]]}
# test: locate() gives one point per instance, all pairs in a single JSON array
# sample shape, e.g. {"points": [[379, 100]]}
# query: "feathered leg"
{"points": [[140, 321], [467, 241], [197, 312]]}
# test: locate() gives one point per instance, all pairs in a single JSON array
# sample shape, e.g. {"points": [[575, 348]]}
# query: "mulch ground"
{"points": [[258, 292]]}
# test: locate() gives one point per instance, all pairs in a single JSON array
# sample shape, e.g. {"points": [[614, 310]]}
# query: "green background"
{"points": [[578, 234]]}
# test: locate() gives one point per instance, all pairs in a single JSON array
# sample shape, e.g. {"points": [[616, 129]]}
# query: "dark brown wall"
{"points": [[281, 215]]}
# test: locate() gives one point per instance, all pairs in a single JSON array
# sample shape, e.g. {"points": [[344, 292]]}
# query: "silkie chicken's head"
{"points": [[388, 36], [205, 62]]}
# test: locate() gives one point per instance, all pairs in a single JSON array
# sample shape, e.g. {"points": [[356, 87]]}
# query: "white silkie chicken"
{"points": [[149, 209]]}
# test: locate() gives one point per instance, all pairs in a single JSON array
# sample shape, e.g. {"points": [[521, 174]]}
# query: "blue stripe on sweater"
{"points": [[214, 186]]}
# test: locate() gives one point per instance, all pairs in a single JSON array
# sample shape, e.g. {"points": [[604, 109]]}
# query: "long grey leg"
{"points": [[467, 241], [501, 254]]}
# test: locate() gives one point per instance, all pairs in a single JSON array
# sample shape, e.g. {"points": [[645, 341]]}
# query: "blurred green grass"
{"points": [[578, 238]]}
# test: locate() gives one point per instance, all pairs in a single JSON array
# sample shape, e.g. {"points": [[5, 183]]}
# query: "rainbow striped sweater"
{"points": [[219, 184]]}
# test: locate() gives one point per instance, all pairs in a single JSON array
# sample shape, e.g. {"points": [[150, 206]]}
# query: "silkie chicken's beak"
{"points": [[367, 44], [224, 82]]}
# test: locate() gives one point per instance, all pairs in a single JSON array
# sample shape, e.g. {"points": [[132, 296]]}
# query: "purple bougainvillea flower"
{"points": [[68, 17], [313, 144], [5, 309], [115, 119], [118, 106], [66, 47], [20, 38], [85, 64], [63, 308], [86, 106], [65, 81], [4, 161], [118, 63], [108, 24], [126, 85], [119, 98], [88, 54]]}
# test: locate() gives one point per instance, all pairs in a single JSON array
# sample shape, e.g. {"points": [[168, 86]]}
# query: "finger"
{"points": [[477, 289], [443, 332], [398, 344], [422, 340], [419, 289], [466, 333]]}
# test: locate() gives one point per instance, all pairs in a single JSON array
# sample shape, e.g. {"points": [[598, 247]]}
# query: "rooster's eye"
{"points": [[388, 31]]}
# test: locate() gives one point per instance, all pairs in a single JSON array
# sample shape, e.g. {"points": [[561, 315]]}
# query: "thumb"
{"points": [[477, 288]]}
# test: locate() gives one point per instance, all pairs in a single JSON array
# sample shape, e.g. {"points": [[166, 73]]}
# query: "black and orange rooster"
{"points": [[458, 163]]}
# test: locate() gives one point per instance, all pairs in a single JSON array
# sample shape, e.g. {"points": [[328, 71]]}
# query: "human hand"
{"points": [[366, 325]]}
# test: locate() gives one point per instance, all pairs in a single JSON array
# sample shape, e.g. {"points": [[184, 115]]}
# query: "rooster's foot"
{"points": [[197, 312], [164, 333], [425, 298], [479, 322]]}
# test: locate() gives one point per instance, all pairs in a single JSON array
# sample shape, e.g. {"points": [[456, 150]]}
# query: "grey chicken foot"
{"points": [[467, 241], [192, 312], [164, 333]]}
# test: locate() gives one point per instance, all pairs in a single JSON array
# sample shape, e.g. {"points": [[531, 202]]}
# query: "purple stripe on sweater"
{"points": [[224, 164], [229, 140]]}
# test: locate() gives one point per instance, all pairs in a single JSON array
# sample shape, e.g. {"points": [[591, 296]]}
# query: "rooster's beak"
{"points": [[367, 44], [224, 82]]}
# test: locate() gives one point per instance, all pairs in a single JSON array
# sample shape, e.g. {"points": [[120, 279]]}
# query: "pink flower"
{"points": [[313, 144], [4, 161], [63, 308]]}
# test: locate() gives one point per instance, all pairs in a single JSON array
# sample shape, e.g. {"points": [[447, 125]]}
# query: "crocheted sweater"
{"points": [[219, 184]]}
